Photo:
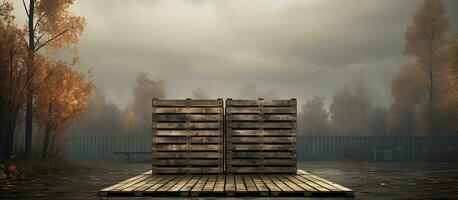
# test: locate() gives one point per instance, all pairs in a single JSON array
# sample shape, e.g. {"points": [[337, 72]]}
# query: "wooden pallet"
{"points": [[188, 136], [261, 136], [300, 184]]}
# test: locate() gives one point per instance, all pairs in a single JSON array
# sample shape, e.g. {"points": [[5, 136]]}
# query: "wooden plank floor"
{"points": [[300, 184]]}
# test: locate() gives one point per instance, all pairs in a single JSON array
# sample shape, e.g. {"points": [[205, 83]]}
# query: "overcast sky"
{"points": [[299, 48]]}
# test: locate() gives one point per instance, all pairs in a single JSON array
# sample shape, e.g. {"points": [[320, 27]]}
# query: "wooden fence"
{"points": [[308, 148]]}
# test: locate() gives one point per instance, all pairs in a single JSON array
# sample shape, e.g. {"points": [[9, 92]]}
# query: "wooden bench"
{"points": [[128, 153]]}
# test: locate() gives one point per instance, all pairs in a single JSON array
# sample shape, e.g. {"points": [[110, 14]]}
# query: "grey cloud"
{"points": [[296, 48]]}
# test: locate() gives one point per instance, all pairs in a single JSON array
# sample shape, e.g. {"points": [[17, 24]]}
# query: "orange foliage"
{"points": [[136, 118], [55, 19], [409, 91], [425, 93], [53, 27], [61, 100], [427, 35], [13, 78]]}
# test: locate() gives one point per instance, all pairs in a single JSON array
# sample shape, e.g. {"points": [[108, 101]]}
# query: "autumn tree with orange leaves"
{"points": [[50, 25], [59, 102], [30, 76], [426, 40], [12, 77], [424, 92], [137, 118]]}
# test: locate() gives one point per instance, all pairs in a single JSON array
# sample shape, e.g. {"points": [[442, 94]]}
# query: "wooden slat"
{"points": [[202, 147], [285, 125], [121, 183], [272, 186], [169, 162], [210, 183], [321, 183], [188, 133], [267, 102], [234, 132], [193, 140], [127, 185], [262, 154], [276, 110], [140, 183], [289, 183], [327, 181], [285, 140], [219, 185], [187, 110], [230, 184], [188, 170], [265, 169], [170, 184], [300, 183], [267, 162], [193, 155], [177, 125], [263, 147], [187, 117], [180, 184], [191, 102], [312, 184], [239, 184], [256, 117], [280, 184], [190, 184], [250, 185], [260, 185], [199, 186], [150, 183], [160, 183]]}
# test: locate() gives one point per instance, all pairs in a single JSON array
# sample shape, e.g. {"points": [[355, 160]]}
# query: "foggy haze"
{"points": [[295, 49]]}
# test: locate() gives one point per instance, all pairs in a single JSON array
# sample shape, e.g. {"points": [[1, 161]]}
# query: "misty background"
{"points": [[321, 51]]}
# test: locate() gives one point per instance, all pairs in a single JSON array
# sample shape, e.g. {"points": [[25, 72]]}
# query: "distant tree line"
{"points": [[103, 117], [424, 92]]}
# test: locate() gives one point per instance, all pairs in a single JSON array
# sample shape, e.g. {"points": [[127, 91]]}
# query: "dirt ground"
{"points": [[370, 180]]}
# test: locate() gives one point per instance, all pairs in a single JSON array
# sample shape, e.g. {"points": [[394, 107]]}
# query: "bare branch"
{"points": [[50, 72], [39, 38], [71, 115], [38, 21], [26, 43], [25, 8], [50, 40]]}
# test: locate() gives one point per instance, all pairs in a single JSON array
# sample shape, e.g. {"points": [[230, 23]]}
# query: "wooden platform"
{"points": [[300, 184]]}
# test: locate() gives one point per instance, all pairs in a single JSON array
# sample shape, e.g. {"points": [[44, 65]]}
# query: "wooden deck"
{"points": [[300, 184]]}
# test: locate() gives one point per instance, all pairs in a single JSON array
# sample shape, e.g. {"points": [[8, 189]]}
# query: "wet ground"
{"points": [[391, 180], [370, 180]]}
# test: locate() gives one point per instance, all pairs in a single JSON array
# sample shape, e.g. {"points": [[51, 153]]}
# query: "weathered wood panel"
{"points": [[261, 136], [187, 136]]}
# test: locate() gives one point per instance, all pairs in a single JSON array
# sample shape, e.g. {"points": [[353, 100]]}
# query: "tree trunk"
{"points": [[44, 148], [28, 124], [29, 110], [7, 127], [431, 99]]}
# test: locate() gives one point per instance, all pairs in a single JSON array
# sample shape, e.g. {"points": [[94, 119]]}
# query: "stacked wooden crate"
{"points": [[187, 136], [261, 136]]}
